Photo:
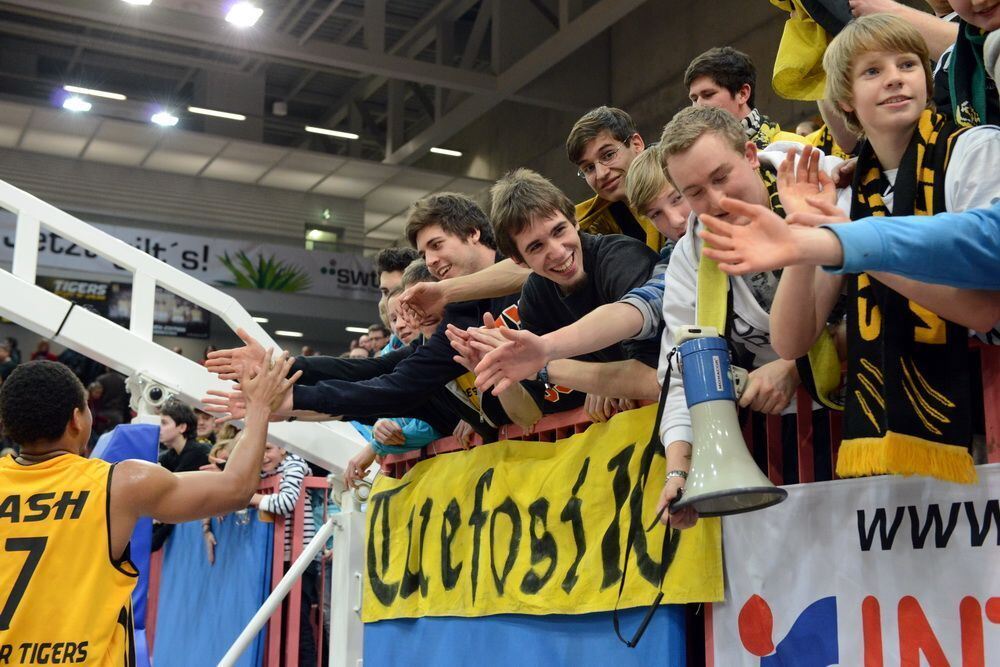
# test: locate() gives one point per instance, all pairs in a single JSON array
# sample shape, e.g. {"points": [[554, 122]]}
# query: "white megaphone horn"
{"points": [[724, 478]]}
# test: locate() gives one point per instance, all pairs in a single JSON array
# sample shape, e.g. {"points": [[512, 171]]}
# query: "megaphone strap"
{"points": [[655, 441]]}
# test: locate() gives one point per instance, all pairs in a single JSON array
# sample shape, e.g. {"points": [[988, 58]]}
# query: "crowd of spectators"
{"points": [[370, 344], [551, 305], [541, 305]]}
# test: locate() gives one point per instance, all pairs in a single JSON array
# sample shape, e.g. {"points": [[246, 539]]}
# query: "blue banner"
{"points": [[203, 607], [580, 640]]}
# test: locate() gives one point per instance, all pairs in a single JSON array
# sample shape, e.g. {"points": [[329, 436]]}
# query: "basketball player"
{"points": [[65, 575]]}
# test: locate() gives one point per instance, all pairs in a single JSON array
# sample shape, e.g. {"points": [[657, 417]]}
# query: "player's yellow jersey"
{"points": [[63, 599]]}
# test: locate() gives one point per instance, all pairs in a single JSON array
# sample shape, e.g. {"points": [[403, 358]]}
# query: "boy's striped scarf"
{"points": [[908, 405]]}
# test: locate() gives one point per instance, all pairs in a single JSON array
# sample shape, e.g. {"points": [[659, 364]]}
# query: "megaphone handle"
{"points": [[741, 378], [670, 505]]}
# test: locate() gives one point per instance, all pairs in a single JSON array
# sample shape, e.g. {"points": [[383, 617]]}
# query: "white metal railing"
{"points": [[132, 351], [345, 584]]}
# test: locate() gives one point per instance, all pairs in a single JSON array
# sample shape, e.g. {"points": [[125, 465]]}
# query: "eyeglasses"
{"points": [[605, 158]]}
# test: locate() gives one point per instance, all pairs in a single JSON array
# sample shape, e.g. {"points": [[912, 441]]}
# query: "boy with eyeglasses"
{"points": [[602, 145]]}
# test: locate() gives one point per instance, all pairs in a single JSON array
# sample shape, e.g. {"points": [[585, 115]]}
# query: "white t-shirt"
{"points": [[973, 176], [751, 327], [972, 181]]}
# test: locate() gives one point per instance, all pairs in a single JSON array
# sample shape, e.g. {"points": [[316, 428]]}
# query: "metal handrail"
{"points": [[132, 351]]}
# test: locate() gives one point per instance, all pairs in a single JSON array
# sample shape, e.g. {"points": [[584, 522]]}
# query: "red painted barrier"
{"points": [[294, 604], [990, 356], [564, 424]]}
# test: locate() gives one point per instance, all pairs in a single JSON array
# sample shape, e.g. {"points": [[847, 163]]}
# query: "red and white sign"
{"points": [[872, 572]]}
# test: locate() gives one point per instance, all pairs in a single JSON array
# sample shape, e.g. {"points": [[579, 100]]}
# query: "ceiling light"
{"points": [[446, 151], [260, 320], [93, 93], [290, 334], [76, 104], [331, 133], [314, 234], [244, 14], [144, 3], [361, 330], [164, 119], [217, 114]]}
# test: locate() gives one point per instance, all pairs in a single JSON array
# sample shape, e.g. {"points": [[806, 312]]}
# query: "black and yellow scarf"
{"points": [[973, 93], [599, 216], [763, 132], [760, 129], [908, 397], [819, 370]]}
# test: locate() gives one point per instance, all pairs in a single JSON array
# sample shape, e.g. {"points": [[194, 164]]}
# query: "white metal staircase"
{"points": [[132, 351]]}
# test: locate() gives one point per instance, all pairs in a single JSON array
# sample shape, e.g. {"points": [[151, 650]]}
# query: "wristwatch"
{"points": [[677, 473], [543, 374]]}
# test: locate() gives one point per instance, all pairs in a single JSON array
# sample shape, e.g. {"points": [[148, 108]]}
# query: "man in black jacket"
{"points": [[454, 236]]}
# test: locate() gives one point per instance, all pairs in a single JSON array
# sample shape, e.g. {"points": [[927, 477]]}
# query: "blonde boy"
{"points": [[650, 193], [908, 406]]}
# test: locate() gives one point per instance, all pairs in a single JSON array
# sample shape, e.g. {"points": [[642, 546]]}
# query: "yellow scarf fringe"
{"points": [[896, 453]]}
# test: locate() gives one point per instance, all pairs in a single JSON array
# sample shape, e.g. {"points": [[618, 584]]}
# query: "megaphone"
{"points": [[724, 479]]}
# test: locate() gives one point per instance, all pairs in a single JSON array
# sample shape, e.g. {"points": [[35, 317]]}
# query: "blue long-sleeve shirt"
{"points": [[648, 297], [956, 249], [416, 432]]}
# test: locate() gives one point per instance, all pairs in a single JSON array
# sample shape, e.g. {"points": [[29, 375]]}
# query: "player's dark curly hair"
{"points": [[37, 401], [182, 414]]}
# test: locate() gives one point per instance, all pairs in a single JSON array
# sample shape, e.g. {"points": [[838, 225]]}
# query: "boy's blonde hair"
{"points": [[383, 310], [417, 272], [227, 431], [223, 446], [875, 32], [645, 180], [689, 124]]}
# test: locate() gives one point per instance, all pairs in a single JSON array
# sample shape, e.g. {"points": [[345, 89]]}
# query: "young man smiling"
{"points": [[637, 315], [573, 273]]}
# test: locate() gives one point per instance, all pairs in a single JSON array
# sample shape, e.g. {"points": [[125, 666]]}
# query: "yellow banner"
{"points": [[534, 528]]}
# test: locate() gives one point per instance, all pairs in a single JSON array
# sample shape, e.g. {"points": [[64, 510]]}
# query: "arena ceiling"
{"points": [[404, 75]]}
